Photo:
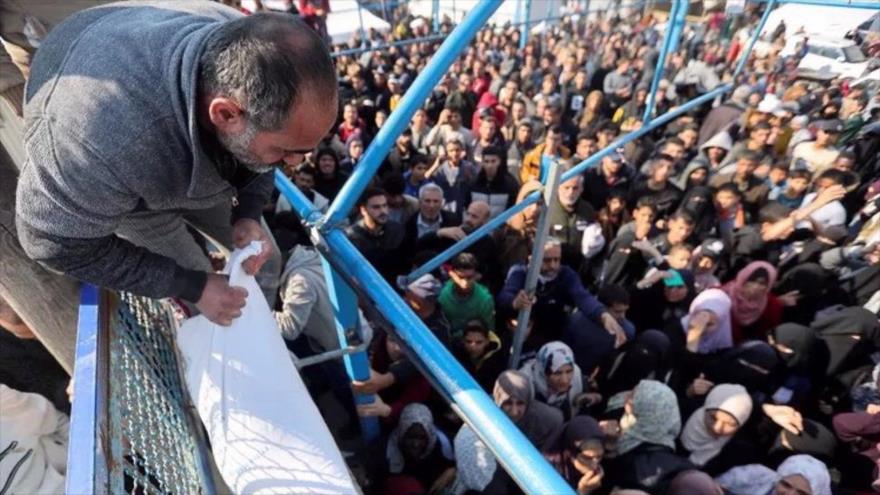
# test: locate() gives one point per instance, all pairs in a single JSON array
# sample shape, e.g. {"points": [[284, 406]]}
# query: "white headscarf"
{"points": [[696, 437], [718, 302]]}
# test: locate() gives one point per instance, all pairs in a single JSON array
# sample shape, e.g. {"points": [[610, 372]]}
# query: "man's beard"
{"points": [[238, 146]]}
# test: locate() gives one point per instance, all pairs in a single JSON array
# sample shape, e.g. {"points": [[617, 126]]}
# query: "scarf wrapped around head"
{"points": [[747, 310], [414, 414], [551, 357], [696, 437], [567, 442], [654, 420], [474, 462], [539, 421], [754, 479], [716, 301]]}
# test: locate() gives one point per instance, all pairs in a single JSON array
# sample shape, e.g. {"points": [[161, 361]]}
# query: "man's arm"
{"points": [[515, 282], [68, 205], [298, 297]]}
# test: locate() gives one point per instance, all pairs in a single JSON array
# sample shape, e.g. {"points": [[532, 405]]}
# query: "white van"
{"points": [[828, 58]]}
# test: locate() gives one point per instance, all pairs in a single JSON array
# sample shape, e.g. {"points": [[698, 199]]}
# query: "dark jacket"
{"points": [[718, 119], [384, 251], [500, 192], [411, 229]]}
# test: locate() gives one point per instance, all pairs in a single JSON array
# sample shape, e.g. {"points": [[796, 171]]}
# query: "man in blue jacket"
{"points": [[559, 291], [147, 120]]}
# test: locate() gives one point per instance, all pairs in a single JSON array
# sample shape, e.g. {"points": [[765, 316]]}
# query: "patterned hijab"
{"points": [[654, 419], [746, 310], [551, 357], [414, 414]]}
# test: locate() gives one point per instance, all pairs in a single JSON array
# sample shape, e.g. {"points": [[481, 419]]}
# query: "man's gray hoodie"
{"points": [[112, 129], [306, 306]]}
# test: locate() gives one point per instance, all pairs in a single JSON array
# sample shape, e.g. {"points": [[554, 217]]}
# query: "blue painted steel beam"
{"points": [[357, 365], [82, 468], [512, 449], [831, 3], [580, 168], [524, 30], [748, 51], [399, 119], [678, 22], [660, 66]]}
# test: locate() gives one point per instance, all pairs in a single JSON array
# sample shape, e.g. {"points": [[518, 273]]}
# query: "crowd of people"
{"points": [[706, 314]]}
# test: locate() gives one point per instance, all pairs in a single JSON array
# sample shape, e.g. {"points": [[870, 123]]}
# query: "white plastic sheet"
{"points": [[265, 431]]}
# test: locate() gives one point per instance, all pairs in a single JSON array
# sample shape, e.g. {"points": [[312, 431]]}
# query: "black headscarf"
{"points": [[647, 358], [565, 445], [851, 335], [800, 339], [750, 364], [699, 202], [815, 440]]}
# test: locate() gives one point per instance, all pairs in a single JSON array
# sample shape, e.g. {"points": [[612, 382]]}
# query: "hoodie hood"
{"points": [[719, 140], [302, 258]]}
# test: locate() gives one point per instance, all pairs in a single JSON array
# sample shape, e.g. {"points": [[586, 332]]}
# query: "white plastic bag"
{"points": [[266, 432]]}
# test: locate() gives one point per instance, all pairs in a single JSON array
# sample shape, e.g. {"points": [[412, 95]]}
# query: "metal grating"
{"points": [[155, 442]]}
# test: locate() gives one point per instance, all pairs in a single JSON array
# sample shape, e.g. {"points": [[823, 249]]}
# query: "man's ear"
{"points": [[226, 115]]}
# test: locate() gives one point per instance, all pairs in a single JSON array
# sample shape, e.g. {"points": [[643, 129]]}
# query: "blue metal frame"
{"points": [[83, 471], [677, 5], [830, 3], [524, 29], [399, 119], [345, 309], [747, 52]]}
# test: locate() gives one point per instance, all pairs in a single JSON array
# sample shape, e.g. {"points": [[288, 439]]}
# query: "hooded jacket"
{"points": [[305, 302], [112, 130]]}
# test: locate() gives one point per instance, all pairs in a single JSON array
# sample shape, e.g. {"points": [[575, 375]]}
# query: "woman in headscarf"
{"points": [[852, 335], [576, 451], [417, 450], [645, 452], [515, 395], [663, 303], [647, 358], [477, 469], [699, 202], [330, 178], [709, 428], [752, 364], [806, 360], [555, 376], [754, 310], [800, 474], [354, 150], [706, 327]]}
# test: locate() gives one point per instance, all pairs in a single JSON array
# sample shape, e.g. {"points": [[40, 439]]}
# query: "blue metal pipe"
{"points": [[744, 57], [512, 449], [535, 196], [524, 29], [832, 3], [386, 46], [678, 22], [473, 237], [82, 468], [595, 158], [435, 14], [661, 64], [399, 119]]}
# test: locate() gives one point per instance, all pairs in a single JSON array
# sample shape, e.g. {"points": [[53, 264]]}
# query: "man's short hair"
{"points": [[612, 294], [420, 158], [555, 129], [800, 173], [370, 193], [646, 202], [729, 187], [394, 184], [750, 155], [588, 134], [836, 176], [464, 261], [305, 168], [266, 62], [685, 216], [428, 188], [773, 212], [495, 151]]}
